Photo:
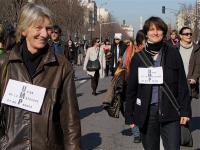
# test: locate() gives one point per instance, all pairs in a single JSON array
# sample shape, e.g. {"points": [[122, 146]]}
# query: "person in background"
{"points": [[32, 67], [106, 47], [71, 51], [147, 104], [140, 40], [56, 43], [117, 50], [81, 52], [2, 50], [173, 40], [190, 53], [93, 53], [127, 57], [7, 38]]}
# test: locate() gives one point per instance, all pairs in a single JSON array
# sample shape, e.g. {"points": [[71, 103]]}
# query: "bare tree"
{"points": [[10, 10], [68, 14]]}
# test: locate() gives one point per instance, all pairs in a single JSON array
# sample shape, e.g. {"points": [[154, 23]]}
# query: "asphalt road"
{"points": [[101, 132]]}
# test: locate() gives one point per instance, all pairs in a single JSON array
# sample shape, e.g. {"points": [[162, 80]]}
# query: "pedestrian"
{"points": [[43, 112], [149, 104], [71, 51], [190, 53], [2, 39], [57, 44], [106, 47], [127, 57], [7, 38], [93, 53], [117, 50], [173, 40], [80, 50]]}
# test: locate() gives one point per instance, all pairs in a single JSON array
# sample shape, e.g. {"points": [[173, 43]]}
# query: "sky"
{"points": [[132, 10]]}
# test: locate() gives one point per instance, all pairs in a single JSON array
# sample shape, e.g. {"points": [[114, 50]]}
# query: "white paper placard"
{"points": [[24, 95], [151, 75]]}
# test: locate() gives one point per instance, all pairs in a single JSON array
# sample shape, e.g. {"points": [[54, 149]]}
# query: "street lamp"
{"points": [[105, 23], [100, 18]]}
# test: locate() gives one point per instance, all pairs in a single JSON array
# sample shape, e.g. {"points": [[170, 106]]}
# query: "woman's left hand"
{"points": [[192, 81], [184, 120]]}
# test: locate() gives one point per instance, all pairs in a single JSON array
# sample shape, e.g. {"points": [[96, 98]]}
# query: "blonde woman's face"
{"points": [[37, 34]]}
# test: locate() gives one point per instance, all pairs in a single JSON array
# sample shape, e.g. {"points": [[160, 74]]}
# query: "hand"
{"points": [[184, 120], [192, 81], [132, 125]]}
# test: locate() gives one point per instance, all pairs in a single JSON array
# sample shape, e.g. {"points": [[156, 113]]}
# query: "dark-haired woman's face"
{"points": [[154, 35]]}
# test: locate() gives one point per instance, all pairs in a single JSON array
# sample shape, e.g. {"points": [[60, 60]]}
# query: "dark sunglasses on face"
{"points": [[187, 34], [56, 32], [98, 41]]}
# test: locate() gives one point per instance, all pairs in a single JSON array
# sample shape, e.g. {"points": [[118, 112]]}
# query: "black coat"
{"points": [[173, 74], [122, 49]]}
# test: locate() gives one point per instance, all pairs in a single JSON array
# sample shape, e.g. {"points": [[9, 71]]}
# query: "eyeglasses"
{"points": [[56, 32], [187, 34], [98, 41], [117, 39]]}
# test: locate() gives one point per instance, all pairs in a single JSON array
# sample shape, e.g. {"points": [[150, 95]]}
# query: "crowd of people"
{"points": [[160, 77]]}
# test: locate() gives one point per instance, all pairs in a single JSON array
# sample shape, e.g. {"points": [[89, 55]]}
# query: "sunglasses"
{"points": [[98, 41], [187, 34], [56, 32]]}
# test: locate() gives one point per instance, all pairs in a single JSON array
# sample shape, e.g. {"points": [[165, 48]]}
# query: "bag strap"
{"points": [[98, 53], [166, 90]]}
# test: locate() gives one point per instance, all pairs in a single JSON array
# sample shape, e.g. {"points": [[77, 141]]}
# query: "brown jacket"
{"points": [[194, 71], [57, 126]]}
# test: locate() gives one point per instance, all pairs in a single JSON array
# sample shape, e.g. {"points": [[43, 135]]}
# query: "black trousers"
{"points": [[95, 81], [169, 132]]}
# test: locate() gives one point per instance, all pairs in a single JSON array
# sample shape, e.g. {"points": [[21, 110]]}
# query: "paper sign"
{"points": [[151, 75], [24, 95]]}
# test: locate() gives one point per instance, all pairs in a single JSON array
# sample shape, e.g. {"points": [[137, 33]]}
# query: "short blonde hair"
{"points": [[30, 14]]}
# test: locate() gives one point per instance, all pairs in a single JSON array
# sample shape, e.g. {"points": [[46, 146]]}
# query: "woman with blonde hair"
{"points": [[39, 109]]}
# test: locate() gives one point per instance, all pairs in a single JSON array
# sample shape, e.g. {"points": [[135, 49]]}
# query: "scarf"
{"points": [[186, 46], [32, 61], [153, 48]]}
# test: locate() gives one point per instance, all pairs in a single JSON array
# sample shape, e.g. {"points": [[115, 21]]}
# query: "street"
{"points": [[101, 132]]}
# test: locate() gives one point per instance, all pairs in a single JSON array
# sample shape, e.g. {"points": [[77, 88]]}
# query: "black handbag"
{"points": [[114, 109], [186, 136], [93, 65]]}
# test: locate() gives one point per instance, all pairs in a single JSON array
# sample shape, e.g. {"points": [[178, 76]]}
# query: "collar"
{"points": [[15, 54], [186, 46]]}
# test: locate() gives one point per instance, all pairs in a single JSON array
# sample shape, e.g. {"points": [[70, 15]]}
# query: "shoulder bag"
{"points": [[186, 136], [93, 65]]}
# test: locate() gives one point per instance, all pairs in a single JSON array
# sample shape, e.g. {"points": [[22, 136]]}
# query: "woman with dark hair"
{"points": [[71, 51], [10, 38], [149, 104], [140, 40], [106, 48], [7, 38], [93, 53]]}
